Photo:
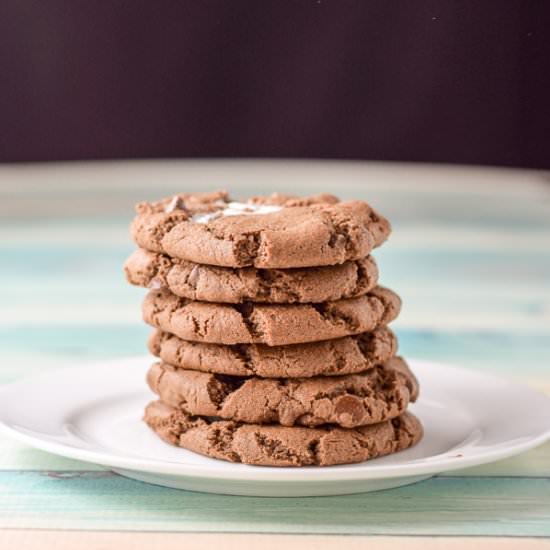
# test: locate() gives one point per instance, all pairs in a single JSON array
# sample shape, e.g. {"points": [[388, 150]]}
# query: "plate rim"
{"points": [[345, 472]]}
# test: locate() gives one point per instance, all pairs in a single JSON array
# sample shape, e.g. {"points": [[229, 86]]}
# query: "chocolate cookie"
{"points": [[379, 394], [279, 231], [269, 324], [348, 355], [274, 445], [248, 284]]}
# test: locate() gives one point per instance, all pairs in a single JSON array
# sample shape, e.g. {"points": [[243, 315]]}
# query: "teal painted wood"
{"points": [[473, 268], [446, 506]]}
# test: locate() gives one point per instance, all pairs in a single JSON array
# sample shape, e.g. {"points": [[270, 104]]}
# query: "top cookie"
{"points": [[279, 231]]}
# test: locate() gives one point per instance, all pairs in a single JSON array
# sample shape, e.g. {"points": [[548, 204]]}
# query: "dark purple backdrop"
{"points": [[448, 81]]}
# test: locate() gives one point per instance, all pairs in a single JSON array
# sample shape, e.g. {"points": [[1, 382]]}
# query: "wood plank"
{"points": [[86, 540], [475, 278], [447, 506]]}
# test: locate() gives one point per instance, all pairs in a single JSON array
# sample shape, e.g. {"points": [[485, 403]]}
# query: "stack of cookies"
{"points": [[270, 330]]}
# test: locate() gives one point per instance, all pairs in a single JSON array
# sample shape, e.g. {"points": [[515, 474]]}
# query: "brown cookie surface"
{"points": [[382, 393], [271, 324], [274, 445], [236, 285], [278, 231], [348, 355]]}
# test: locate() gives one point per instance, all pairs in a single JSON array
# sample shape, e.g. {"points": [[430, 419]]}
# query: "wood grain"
{"points": [[470, 259], [444, 505], [86, 540]]}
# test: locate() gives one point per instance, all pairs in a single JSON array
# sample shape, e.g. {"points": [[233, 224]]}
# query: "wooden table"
{"points": [[470, 255]]}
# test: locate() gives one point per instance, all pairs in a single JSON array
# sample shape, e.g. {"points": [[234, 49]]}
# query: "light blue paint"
{"points": [[440, 278], [76, 340], [455, 265], [443, 506]]}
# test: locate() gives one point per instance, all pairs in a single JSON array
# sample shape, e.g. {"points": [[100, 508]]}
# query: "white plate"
{"points": [[94, 412]]}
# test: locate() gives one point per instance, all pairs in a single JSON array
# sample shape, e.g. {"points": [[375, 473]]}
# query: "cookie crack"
{"points": [[221, 440], [220, 387], [192, 277], [387, 300], [335, 316], [400, 428], [363, 277], [340, 229], [246, 311], [243, 353], [270, 281], [159, 230], [159, 306], [314, 450], [246, 248], [339, 237], [275, 449], [196, 325]]}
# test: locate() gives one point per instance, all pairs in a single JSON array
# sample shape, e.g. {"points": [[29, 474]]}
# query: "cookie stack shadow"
{"points": [[272, 366]]}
